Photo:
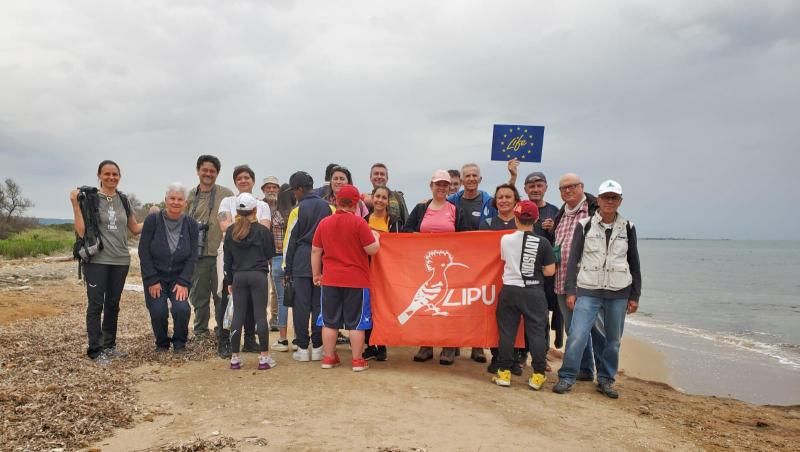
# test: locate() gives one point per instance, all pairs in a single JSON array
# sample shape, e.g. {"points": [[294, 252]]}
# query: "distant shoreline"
{"points": [[680, 238]]}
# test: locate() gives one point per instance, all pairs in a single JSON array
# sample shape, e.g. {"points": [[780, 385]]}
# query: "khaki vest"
{"points": [[602, 267]]}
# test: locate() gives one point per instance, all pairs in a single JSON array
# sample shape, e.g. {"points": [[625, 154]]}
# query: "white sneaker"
{"points": [[301, 355], [266, 362], [281, 345], [316, 354]]}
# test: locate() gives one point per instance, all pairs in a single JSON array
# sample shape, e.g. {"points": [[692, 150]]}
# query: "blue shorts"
{"points": [[345, 307]]}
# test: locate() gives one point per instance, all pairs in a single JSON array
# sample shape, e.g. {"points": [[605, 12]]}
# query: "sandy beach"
{"points": [[52, 397]]}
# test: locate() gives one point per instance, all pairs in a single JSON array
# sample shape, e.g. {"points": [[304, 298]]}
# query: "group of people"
{"points": [[579, 261]]}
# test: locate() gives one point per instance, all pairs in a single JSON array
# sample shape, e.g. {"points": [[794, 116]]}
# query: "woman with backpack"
{"points": [[168, 251], [103, 220], [248, 250]]}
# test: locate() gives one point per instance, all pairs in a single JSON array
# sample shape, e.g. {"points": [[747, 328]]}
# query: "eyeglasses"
{"points": [[570, 187], [610, 198]]}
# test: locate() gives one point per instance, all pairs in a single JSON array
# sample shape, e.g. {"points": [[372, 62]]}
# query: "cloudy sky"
{"points": [[691, 106]]}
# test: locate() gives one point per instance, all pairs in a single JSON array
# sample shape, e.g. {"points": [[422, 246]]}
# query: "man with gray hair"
{"points": [[270, 187], [577, 206], [203, 207]]}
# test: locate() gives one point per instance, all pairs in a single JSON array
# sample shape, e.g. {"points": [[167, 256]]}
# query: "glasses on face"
{"points": [[610, 198], [570, 187]]}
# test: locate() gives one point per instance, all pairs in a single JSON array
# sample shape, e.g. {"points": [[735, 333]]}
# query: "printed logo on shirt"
{"points": [[435, 295], [476, 214], [112, 217]]}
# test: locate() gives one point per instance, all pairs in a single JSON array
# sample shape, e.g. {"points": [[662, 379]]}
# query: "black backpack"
{"points": [[91, 243]]}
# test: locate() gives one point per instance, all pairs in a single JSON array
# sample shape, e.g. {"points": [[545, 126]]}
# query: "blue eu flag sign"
{"points": [[520, 142]]}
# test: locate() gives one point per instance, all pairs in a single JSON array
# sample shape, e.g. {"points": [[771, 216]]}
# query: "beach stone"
{"points": [[644, 410]]}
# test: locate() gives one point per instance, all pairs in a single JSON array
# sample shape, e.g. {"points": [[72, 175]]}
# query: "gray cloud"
{"points": [[690, 106]]}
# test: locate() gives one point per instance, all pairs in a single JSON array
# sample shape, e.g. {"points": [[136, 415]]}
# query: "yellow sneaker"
{"points": [[537, 381], [502, 378]]}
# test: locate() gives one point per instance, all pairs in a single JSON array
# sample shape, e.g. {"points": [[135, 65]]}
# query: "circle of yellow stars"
{"points": [[505, 136]]}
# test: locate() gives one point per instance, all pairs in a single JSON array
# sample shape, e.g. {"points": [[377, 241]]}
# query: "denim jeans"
{"points": [[159, 317], [277, 281], [595, 340], [612, 312]]}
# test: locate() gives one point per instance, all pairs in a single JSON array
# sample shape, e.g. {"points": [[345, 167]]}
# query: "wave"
{"points": [[783, 353]]}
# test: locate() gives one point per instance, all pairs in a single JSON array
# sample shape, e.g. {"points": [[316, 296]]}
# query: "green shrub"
{"points": [[33, 242]]}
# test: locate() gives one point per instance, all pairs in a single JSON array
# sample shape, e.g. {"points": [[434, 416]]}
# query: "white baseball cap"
{"points": [[246, 201], [610, 186]]}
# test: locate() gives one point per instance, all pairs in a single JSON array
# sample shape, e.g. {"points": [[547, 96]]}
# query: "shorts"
{"points": [[345, 307]]}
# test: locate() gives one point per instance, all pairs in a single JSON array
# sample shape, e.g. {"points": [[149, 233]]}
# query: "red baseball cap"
{"points": [[526, 211], [348, 192]]}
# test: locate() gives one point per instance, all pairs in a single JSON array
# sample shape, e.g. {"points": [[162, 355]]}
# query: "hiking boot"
{"points": [[250, 345], [359, 365], [236, 363], [424, 354], [502, 378], [381, 356], [113, 353], [516, 369], [607, 388], [537, 381], [302, 355], [179, 350], [280, 345], [317, 353], [370, 352], [562, 387], [448, 356], [477, 355], [584, 376], [329, 362], [265, 362]]}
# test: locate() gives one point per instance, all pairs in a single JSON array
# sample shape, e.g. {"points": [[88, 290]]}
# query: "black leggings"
{"points": [[104, 284], [249, 291]]}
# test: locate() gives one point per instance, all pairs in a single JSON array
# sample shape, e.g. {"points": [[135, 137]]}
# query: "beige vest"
{"points": [[602, 267]]}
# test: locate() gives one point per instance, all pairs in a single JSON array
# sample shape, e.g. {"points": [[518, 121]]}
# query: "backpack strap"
{"points": [[125, 204]]}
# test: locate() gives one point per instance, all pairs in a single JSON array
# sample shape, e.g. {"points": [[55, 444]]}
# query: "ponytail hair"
{"points": [[242, 226]]}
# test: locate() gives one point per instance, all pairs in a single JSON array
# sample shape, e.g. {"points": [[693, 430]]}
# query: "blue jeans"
{"points": [[595, 341], [159, 317], [612, 312], [277, 280]]}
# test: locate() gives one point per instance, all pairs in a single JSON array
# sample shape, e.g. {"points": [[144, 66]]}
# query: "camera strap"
{"points": [[211, 200]]}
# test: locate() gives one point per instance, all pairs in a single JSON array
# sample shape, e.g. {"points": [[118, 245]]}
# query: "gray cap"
{"points": [[533, 177]]}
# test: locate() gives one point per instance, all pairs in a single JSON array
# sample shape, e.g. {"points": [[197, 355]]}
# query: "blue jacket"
{"points": [[487, 210], [300, 228], [157, 263]]}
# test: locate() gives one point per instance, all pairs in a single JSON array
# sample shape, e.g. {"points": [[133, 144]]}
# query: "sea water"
{"points": [[726, 314]]}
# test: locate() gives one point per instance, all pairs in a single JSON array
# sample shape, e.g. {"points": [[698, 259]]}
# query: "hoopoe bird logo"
{"points": [[434, 290]]}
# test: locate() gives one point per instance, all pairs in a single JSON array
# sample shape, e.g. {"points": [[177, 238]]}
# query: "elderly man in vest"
{"points": [[603, 274]]}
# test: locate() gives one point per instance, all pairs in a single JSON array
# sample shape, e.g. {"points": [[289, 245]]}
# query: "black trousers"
{"points": [[531, 304], [159, 317], [306, 306], [224, 335], [249, 296], [104, 284]]}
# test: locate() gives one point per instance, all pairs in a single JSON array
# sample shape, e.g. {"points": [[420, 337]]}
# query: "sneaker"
{"points": [[102, 359], [370, 352], [584, 376], [381, 356], [113, 353], [562, 387], [317, 353], [273, 323], [360, 365], [448, 356], [280, 345], [424, 354], [493, 367], [266, 362], [607, 388], [502, 378], [236, 363], [537, 381], [342, 339], [516, 369], [160, 350], [330, 362], [301, 354], [477, 355], [179, 350]]}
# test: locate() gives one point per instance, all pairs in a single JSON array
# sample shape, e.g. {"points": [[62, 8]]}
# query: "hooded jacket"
{"points": [[487, 209], [253, 253]]}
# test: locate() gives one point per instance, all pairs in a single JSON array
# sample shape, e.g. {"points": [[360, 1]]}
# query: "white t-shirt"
{"points": [[539, 254], [262, 209]]}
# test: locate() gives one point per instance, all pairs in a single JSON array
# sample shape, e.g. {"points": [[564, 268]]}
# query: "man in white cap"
{"points": [[603, 276]]}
